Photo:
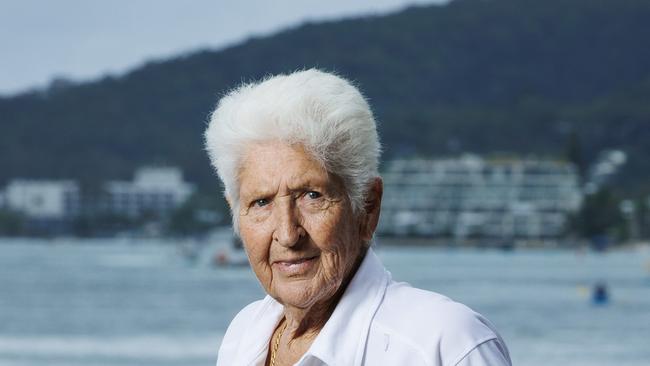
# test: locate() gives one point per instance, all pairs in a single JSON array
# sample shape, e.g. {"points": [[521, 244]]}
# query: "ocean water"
{"points": [[118, 302]]}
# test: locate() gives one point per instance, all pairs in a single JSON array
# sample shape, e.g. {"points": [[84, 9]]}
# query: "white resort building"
{"points": [[470, 197], [47, 200], [154, 191]]}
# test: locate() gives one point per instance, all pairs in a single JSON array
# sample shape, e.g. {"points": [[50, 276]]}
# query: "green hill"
{"points": [[498, 76]]}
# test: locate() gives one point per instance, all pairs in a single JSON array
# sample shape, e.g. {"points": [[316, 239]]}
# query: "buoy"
{"points": [[583, 291]]}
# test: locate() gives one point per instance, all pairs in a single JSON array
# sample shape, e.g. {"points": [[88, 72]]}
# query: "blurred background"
{"points": [[516, 165]]}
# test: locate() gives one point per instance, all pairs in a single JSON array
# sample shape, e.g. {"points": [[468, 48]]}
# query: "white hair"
{"points": [[323, 112]]}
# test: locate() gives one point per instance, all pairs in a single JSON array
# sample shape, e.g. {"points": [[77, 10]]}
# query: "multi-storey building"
{"points": [[43, 199], [470, 197], [154, 191]]}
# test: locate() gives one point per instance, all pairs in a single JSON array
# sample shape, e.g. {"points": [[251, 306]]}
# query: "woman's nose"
{"points": [[288, 231]]}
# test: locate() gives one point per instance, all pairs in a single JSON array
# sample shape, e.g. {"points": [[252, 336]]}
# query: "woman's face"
{"points": [[296, 224]]}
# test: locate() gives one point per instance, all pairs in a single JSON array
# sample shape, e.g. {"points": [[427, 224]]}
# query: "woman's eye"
{"points": [[261, 202], [313, 195]]}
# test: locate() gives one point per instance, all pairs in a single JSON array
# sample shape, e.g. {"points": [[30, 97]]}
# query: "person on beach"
{"points": [[298, 158]]}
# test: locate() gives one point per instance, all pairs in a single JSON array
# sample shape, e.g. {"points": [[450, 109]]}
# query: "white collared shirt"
{"points": [[377, 322]]}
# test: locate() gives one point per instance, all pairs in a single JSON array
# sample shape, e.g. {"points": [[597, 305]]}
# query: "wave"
{"points": [[152, 347]]}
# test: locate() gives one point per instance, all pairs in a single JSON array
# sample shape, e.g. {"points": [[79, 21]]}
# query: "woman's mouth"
{"points": [[294, 267]]}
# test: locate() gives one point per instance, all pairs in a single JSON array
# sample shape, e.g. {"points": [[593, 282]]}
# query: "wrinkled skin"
{"points": [[297, 225]]}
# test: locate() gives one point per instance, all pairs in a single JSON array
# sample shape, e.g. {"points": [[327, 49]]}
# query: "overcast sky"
{"points": [[83, 39]]}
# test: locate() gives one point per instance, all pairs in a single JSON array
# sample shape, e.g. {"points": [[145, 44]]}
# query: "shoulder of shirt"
{"points": [[239, 324], [431, 324]]}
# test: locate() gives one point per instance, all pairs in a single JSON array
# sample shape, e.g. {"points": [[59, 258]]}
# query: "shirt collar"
{"points": [[342, 340], [254, 345]]}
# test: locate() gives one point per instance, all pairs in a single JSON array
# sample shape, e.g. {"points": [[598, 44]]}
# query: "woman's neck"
{"points": [[307, 322]]}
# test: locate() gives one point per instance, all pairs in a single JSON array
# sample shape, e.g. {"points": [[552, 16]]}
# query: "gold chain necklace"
{"points": [[274, 351]]}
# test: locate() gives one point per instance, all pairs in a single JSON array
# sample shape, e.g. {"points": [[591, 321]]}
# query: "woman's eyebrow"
{"points": [[256, 193], [310, 184]]}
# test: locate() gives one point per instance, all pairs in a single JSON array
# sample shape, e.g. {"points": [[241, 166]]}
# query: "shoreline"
{"points": [[577, 244]]}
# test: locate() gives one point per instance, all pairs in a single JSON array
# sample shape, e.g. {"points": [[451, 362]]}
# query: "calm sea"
{"points": [[139, 303]]}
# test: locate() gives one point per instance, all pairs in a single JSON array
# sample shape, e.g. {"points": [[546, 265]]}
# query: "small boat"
{"points": [[231, 256]]}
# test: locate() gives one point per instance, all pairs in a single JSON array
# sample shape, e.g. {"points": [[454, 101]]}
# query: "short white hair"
{"points": [[323, 112]]}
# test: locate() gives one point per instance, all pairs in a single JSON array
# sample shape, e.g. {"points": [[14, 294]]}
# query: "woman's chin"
{"points": [[297, 294]]}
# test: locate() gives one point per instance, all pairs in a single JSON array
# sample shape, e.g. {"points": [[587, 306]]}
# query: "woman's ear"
{"points": [[372, 208]]}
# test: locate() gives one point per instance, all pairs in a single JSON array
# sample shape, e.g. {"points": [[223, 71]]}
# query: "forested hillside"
{"points": [[498, 76]]}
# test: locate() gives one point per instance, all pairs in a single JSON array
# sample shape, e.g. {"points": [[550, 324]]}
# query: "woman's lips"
{"points": [[295, 267]]}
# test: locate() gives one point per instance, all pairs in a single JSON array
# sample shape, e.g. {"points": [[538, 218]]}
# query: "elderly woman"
{"points": [[298, 157]]}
